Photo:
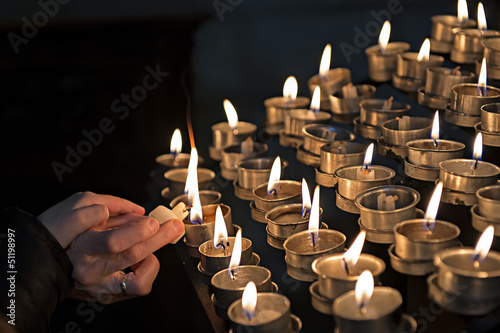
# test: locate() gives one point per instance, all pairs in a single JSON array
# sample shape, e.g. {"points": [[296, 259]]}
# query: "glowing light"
{"points": [[306, 198], [274, 177], [234, 264], [483, 246], [478, 147], [316, 99], [232, 116], [462, 12], [352, 255], [176, 142], [425, 50], [435, 128], [483, 77], [313, 226], [383, 38], [220, 231], [368, 157], [432, 208], [249, 300], [191, 188], [481, 18], [290, 88], [324, 65], [364, 290]]}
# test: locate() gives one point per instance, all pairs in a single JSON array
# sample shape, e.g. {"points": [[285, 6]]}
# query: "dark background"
{"points": [[65, 78]]}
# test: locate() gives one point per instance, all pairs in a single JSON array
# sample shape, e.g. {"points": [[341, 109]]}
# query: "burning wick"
{"points": [[306, 211], [314, 240], [234, 274], [456, 71], [346, 266], [478, 147]]}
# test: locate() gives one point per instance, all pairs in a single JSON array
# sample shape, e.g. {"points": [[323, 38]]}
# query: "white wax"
{"points": [[387, 105], [349, 91], [386, 202], [365, 174], [384, 301], [404, 123], [247, 146]]}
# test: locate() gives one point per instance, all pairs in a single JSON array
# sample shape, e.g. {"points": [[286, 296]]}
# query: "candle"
{"points": [[489, 202], [375, 112], [232, 154], [345, 103], [364, 173], [382, 58], [175, 159]]}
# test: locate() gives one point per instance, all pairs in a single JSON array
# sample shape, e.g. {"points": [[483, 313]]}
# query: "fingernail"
{"points": [[154, 225], [178, 226]]}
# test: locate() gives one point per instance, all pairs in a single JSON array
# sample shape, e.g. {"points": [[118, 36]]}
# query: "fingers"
{"points": [[115, 205], [119, 221], [138, 282]]}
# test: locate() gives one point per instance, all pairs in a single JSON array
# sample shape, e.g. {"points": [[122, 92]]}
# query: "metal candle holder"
{"points": [[232, 154], [276, 107], [177, 181], [206, 198], [290, 191], [476, 288], [345, 109], [442, 31], [480, 223], [437, 91], [468, 44], [489, 126], [170, 161], [459, 175], [381, 66], [300, 254], [393, 141], [214, 260], [295, 120], [223, 135], [488, 199], [252, 173], [372, 112], [337, 155], [277, 242], [336, 78], [410, 73], [465, 107], [286, 220], [492, 52], [424, 157]]}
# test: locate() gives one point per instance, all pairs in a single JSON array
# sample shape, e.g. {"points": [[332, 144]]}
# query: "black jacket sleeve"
{"points": [[36, 273]]}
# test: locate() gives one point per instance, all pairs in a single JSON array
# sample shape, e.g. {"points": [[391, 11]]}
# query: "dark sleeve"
{"points": [[40, 271]]}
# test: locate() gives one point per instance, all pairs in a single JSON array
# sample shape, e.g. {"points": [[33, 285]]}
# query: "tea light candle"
{"points": [[368, 309], [345, 103], [365, 173], [490, 120], [277, 106], [375, 112], [411, 68], [318, 135], [230, 132], [175, 159], [488, 199], [206, 198], [492, 51], [232, 154], [382, 58]]}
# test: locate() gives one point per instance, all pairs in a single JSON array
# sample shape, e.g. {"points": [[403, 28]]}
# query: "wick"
{"points": [[346, 267], [362, 308], [233, 275], [482, 91], [196, 222], [435, 142], [313, 240], [248, 315], [456, 71], [186, 209], [323, 78], [476, 263], [474, 165], [274, 192], [306, 211], [364, 168]]}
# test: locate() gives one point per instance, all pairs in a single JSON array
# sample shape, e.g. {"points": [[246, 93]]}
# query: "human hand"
{"points": [[99, 254], [81, 211]]}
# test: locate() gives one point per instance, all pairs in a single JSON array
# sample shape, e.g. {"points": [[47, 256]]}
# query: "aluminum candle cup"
{"points": [[223, 135], [255, 171], [227, 290], [277, 242], [459, 175], [466, 99], [414, 242], [335, 80], [383, 312], [490, 117], [332, 278], [177, 180], [170, 161], [290, 191], [286, 220], [419, 128], [231, 155], [214, 260], [343, 105], [492, 51], [318, 135], [488, 200], [410, 73], [206, 198], [339, 154], [272, 314], [298, 118], [277, 106], [373, 114], [442, 31], [300, 254], [480, 223], [468, 44], [197, 234], [424, 153], [381, 66], [349, 186], [374, 218]]}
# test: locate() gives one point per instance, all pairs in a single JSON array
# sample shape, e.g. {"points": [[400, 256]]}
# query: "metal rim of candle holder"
{"points": [[493, 70], [229, 174], [166, 160], [458, 273], [296, 257], [346, 205], [480, 222], [242, 193], [420, 128], [440, 80], [205, 178], [410, 267], [284, 230], [253, 172], [307, 158], [466, 183], [255, 261], [409, 67], [325, 179], [350, 188], [192, 250], [382, 65], [267, 204], [423, 173], [207, 197], [387, 150], [299, 273], [490, 118], [296, 119], [429, 156], [406, 84], [288, 140], [366, 131], [212, 264], [214, 153], [488, 199], [231, 154], [463, 57], [336, 79], [492, 50], [443, 25], [296, 324], [313, 142], [465, 101], [277, 242], [458, 198], [432, 101], [372, 113], [331, 160], [197, 234], [319, 302], [346, 118], [342, 105], [438, 46], [257, 214], [276, 106]]}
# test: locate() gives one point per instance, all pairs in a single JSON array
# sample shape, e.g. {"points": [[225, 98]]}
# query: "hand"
{"points": [[81, 211], [99, 254]]}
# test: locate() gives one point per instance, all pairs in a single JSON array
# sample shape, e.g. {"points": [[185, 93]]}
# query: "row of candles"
{"points": [[345, 285]]}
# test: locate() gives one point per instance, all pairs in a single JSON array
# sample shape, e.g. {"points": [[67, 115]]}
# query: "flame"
{"points": [[324, 65], [220, 231], [435, 128], [368, 157], [274, 177], [364, 290], [314, 218], [235, 257], [483, 246], [478, 147], [432, 208], [176, 142], [316, 100], [192, 176], [232, 116], [306, 198], [481, 18], [196, 213], [352, 255], [425, 50], [290, 88], [462, 12], [483, 77], [249, 300], [385, 33]]}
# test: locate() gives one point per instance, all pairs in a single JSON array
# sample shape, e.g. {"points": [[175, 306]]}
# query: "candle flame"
{"points": [[478, 147], [306, 199], [274, 177], [196, 213], [352, 255], [483, 246], [483, 78], [481, 18], [314, 218], [364, 290], [324, 65], [192, 176], [425, 50], [435, 128], [220, 231], [432, 208], [290, 88], [368, 157], [316, 99], [176, 142], [232, 116], [462, 12], [235, 257], [249, 300], [383, 38]]}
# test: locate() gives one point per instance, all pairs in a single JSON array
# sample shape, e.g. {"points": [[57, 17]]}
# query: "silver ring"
{"points": [[123, 285]]}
